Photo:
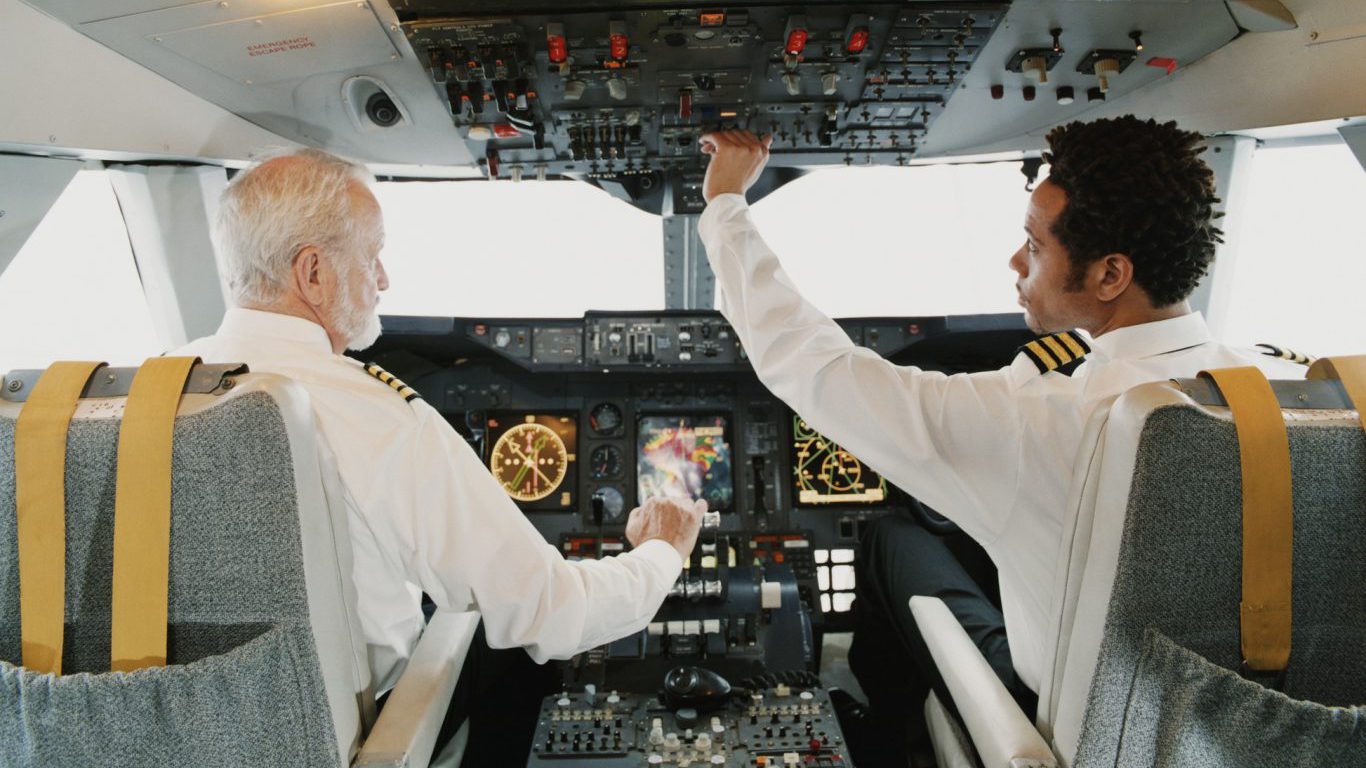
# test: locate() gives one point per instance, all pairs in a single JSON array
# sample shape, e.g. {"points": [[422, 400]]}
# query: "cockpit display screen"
{"points": [[685, 456], [532, 457], [825, 473]]}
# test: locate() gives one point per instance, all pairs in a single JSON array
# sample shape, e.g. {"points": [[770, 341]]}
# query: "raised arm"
{"points": [[941, 438]]}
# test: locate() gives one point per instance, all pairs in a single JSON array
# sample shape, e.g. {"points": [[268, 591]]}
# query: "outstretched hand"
{"points": [[675, 521], [737, 159]]}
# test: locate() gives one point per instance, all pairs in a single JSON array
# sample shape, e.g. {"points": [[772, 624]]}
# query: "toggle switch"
{"points": [[1035, 68], [1106, 69]]}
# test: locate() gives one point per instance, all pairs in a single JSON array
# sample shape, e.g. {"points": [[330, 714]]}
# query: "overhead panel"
{"points": [[1054, 61], [622, 96], [280, 46], [289, 66]]}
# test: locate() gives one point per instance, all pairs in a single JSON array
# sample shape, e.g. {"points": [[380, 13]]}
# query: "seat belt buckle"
{"points": [[1273, 679]]}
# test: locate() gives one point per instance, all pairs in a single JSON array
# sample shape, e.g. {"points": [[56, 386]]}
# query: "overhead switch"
{"points": [[619, 47], [616, 88], [573, 90], [1035, 68], [1106, 69], [557, 47], [795, 41], [792, 83], [829, 83], [858, 40]]}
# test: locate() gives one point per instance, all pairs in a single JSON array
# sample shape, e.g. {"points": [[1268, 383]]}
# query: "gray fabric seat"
{"points": [[265, 661], [1166, 690], [1146, 620]]}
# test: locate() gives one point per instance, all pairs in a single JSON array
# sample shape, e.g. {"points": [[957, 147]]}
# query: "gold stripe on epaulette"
{"points": [[1271, 350], [406, 392], [1056, 350], [1074, 343]]}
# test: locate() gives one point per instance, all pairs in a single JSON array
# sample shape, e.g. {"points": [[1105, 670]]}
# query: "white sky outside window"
{"points": [[72, 292], [1302, 253], [857, 241], [531, 249], [926, 240]]}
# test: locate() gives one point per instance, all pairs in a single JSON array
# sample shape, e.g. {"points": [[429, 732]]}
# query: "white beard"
{"points": [[368, 333], [360, 329]]}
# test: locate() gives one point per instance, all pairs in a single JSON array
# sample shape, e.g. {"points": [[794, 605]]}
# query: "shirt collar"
{"points": [[1155, 338], [255, 323]]}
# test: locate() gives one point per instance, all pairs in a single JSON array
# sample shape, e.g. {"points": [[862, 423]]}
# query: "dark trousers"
{"points": [[898, 559], [500, 693]]}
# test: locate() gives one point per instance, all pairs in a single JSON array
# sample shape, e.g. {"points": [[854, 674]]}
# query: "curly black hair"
{"points": [[1136, 187]]}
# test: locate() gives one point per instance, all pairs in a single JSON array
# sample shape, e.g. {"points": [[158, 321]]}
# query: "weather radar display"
{"points": [[685, 456], [827, 474]]}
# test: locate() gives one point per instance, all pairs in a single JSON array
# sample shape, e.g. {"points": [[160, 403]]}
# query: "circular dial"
{"points": [[605, 419], [605, 463], [529, 461], [841, 471], [613, 503]]}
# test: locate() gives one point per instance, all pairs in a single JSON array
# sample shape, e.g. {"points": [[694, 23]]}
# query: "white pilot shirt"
{"points": [[992, 451], [425, 513]]}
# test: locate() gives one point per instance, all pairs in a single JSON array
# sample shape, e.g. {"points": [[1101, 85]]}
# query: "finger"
{"points": [[768, 141], [728, 138], [708, 143]]}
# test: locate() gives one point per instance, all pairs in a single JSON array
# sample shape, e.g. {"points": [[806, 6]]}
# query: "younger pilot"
{"points": [[1115, 241]]}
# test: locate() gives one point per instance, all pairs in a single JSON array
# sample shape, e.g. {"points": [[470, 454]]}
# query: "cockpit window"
{"points": [[926, 240], [72, 292], [504, 249], [1299, 273]]}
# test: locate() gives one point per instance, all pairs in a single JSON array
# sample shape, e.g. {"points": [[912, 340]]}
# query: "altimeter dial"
{"points": [[529, 461]]}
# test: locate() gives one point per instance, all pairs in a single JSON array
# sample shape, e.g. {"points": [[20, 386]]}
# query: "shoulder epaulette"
{"points": [[1271, 350], [1061, 352], [408, 393]]}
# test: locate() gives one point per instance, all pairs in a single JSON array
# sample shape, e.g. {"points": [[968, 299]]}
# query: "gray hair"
{"points": [[267, 215]]}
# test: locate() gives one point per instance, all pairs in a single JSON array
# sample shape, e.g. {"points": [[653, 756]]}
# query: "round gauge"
{"points": [[605, 419], [841, 471], [605, 463], [529, 461], [613, 503]]}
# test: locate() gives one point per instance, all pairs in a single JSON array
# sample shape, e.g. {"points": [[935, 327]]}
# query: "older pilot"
{"points": [[299, 238], [1116, 240]]}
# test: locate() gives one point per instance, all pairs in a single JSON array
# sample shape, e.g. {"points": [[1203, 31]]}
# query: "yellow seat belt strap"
{"points": [[40, 507], [1351, 372], [1268, 516], [142, 515]]}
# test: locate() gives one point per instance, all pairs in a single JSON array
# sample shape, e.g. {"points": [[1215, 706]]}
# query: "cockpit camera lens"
{"points": [[381, 110]]}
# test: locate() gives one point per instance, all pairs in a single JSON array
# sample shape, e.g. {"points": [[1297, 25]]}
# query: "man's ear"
{"points": [[1112, 275], [308, 280]]}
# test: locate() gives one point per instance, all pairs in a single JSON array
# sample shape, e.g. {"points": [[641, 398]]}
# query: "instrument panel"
{"points": [[649, 420], [825, 473], [531, 457], [621, 96]]}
